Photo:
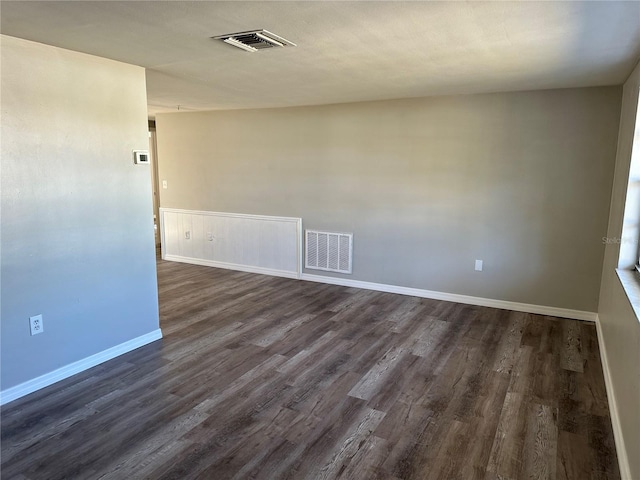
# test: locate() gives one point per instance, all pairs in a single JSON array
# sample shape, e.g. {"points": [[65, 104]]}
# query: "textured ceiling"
{"points": [[347, 51]]}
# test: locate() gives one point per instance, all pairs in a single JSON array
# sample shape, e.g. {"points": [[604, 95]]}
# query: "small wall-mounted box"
{"points": [[141, 157]]}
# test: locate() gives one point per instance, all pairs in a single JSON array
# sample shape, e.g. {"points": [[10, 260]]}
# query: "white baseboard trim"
{"points": [[231, 266], [61, 373], [623, 459], [454, 297]]}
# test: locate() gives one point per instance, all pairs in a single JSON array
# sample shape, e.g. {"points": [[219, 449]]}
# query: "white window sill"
{"points": [[630, 280]]}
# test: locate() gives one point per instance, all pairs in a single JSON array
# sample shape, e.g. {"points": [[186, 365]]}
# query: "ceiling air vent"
{"points": [[255, 40]]}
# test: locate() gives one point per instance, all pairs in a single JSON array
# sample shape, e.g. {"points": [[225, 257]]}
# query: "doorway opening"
{"points": [[154, 183]]}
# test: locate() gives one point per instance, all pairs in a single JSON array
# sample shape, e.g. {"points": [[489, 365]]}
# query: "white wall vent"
{"points": [[327, 251]]}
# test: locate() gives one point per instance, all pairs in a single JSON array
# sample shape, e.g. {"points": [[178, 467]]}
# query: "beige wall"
{"points": [[619, 324], [77, 229], [519, 180]]}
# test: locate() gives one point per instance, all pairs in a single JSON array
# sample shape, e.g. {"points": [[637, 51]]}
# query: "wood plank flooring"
{"points": [[267, 378]]}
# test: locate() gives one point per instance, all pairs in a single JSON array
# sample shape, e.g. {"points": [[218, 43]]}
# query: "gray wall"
{"points": [[519, 180], [77, 229], [619, 324]]}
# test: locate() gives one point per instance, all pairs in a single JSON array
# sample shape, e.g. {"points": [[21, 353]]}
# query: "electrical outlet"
{"points": [[36, 324], [478, 265], [187, 235], [210, 236]]}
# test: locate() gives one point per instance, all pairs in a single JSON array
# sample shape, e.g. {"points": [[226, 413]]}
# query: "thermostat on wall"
{"points": [[141, 156]]}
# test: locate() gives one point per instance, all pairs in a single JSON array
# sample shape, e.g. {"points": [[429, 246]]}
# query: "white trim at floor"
{"points": [[454, 297], [623, 459], [232, 266], [61, 373]]}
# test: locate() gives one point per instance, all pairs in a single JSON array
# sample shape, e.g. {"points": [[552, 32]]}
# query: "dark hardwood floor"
{"points": [[269, 378]]}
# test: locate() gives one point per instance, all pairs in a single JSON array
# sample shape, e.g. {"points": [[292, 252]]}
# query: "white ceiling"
{"points": [[347, 51]]}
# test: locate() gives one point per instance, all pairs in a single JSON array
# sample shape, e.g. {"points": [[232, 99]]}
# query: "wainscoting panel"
{"points": [[252, 243]]}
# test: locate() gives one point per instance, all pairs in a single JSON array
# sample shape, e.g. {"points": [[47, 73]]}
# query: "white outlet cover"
{"points": [[478, 265], [164, 184], [36, 324]]}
